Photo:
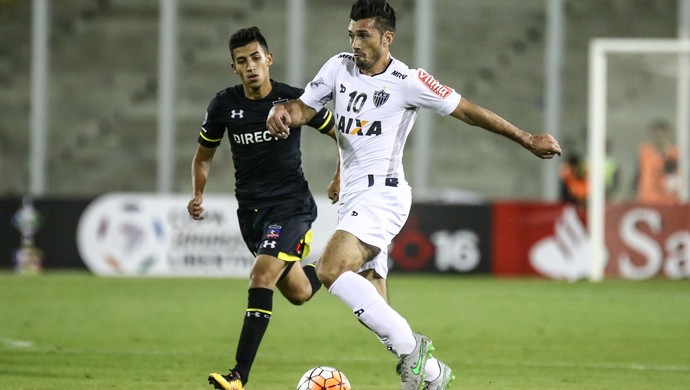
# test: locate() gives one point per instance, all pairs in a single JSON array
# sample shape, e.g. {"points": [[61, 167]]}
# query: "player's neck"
{"points": [[380, 66], [257, 93]]}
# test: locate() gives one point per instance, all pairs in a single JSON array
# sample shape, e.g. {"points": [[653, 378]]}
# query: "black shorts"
{"points": [[282, 231]]}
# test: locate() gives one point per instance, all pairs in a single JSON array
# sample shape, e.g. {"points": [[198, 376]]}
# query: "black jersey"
{"points": [[268, 170]]}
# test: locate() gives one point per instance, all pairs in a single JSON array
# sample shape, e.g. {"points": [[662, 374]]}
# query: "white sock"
{"points": [[387, 343], [432, 369], [370, 308]]}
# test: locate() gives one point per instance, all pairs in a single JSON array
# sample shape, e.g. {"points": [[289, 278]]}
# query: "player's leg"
{"points": [[377, 280], [380, 283], [299, 283], [437, 375], [342, 253], [264, 275], [367, 223], [369, 220], [281, 236], [263, 278]]}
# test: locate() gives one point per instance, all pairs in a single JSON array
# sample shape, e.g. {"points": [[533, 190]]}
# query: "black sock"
{"points": [[310, 271], [259, 307]]}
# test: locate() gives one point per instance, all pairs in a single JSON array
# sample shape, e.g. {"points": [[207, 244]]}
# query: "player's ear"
{"points": [[269, 58], [388, 38], [232, 65]]}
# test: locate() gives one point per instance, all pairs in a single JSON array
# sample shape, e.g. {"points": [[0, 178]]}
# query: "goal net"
{"points": [[634, 84]]}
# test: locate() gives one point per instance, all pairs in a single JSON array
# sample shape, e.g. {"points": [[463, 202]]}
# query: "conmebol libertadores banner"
{"points": [[152, 235]]}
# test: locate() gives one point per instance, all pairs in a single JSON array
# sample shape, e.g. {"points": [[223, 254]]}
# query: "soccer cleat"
{"points": [[411, 366], [444, 381], [226, 382]]}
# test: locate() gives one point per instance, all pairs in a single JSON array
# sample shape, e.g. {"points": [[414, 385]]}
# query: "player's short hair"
{"points": [[380, 10], [245, 36]]}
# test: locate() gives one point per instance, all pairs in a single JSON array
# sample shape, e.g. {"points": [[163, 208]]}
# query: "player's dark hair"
{"points": [[246, 36], [383, 13]]}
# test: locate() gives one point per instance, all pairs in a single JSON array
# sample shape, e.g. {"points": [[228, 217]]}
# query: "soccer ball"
{"points": [[323, 378]]}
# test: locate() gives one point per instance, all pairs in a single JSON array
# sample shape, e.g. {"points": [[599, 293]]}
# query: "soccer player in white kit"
{"points": [[376, 99]]}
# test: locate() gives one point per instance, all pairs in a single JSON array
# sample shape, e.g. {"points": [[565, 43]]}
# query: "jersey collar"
{"points": [[390, 61]]}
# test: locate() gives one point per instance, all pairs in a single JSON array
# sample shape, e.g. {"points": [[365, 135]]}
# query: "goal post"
{"points": [[600, 51]]}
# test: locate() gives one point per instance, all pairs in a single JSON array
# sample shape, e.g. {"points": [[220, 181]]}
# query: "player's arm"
{"points": [[324, 122], [333, 189], [293, 113], [201, 166], [541, 145]]}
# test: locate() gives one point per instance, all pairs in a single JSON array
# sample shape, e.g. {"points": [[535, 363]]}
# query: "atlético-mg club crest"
{"points": [[380, 97]]}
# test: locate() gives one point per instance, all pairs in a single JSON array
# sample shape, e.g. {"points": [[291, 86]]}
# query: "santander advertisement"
{"points": [[549, 240]]}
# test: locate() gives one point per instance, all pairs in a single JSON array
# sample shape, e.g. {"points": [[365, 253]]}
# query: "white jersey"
{"points": [[374, 114]]}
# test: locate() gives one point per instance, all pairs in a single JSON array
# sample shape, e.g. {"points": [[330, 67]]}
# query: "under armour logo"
{"points": [[354, 214], [359, 312], [267, 243], [237, 113], [257, 314], [342, 88]]}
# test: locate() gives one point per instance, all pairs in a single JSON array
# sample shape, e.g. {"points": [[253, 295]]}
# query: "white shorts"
{"points": [[375, 215]]}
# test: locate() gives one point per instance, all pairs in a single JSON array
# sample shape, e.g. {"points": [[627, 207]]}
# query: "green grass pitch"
{"points": [[77, 331]]}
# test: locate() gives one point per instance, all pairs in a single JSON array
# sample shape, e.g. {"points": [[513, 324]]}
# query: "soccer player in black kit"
{"points": [[276, 208]]}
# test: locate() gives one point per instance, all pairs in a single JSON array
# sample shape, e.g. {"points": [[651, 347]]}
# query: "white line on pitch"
{"points": [[14, 343], [26, 346]]}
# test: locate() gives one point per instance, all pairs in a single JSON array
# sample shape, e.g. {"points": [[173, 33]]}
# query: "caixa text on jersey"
{"points": [[356, 126]]}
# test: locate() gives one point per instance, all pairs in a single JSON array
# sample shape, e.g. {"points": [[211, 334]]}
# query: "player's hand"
{"points": [[544, 146], [334, 190], [194, 207], [278, 121]]}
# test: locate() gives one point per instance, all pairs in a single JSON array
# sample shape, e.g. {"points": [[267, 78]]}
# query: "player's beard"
{"points": [[365, 64]]}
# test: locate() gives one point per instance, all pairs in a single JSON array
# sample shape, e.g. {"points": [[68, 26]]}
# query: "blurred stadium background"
{"points": [[72, 330], [104, 73], [127, 83]]}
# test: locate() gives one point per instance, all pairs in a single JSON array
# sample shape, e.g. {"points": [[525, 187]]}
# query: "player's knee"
{"points": [[260, 280], [327, 275], [299, 297], [298, 301]]}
